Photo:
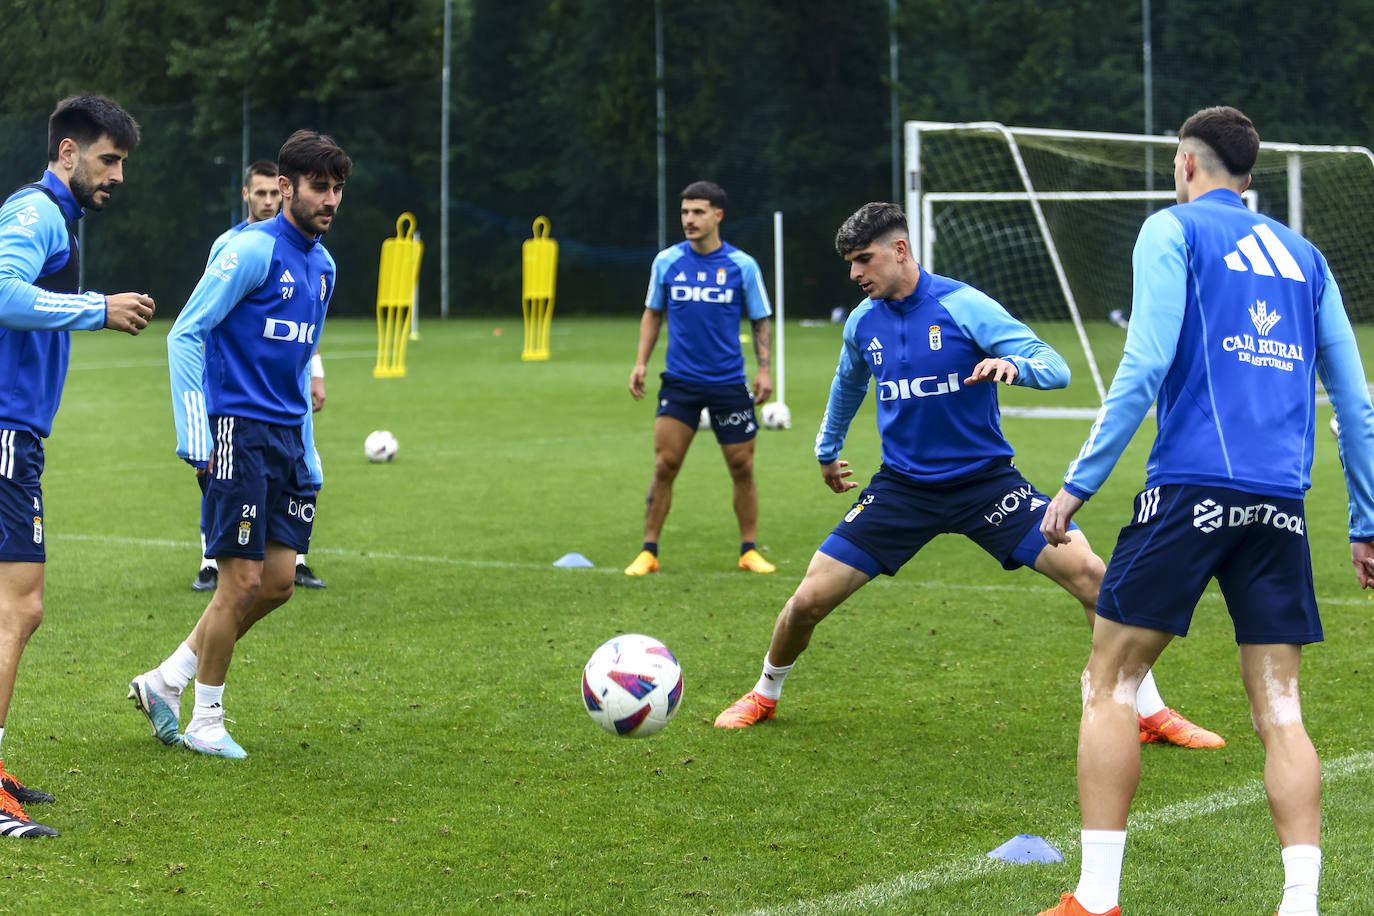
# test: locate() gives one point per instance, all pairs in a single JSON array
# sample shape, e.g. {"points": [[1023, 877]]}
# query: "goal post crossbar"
{"points": [[913, 142], [995, 166]]}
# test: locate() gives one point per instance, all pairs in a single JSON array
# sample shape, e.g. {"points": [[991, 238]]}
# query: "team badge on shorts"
{"points": [[935, 342], [858, 507], [245, 530], [38, 529]]}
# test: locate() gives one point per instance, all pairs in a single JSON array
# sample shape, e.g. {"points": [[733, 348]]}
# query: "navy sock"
{"points": [[651, 546], [746, 546]]}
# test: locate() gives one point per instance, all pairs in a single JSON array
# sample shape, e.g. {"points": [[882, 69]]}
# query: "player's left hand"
{"points": [[1362, 555], [763, 385], [316, 393], [128, 312], [1055, 524], [993, 370]]}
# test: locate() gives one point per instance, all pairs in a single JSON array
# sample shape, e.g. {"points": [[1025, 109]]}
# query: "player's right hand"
{"points": [[637, 381], [128, 312], [834, 475], [1054, 525]]}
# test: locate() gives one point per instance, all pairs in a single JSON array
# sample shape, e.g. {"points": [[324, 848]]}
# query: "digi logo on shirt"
{"points": [[701, 294], [901, 389], [285, 329]]}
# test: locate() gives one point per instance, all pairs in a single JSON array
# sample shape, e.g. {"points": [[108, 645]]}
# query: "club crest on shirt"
{"points": [[720, 276], [935, 342], [322, 287]]}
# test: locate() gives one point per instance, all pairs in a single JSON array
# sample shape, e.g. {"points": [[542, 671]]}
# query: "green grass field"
{"points": [[415, 732]]}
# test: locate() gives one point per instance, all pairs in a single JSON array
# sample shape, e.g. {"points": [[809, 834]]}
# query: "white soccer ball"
{"points": [[1335, 426], [775, 415], [632, 686], [380, 446]]}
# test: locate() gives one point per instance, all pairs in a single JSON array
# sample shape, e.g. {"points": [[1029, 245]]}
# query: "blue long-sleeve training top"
{"points": [[242, 344], [1233, 318], [918, 351], [37, 245]]}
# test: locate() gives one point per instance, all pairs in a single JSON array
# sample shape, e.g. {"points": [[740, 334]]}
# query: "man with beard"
{"points": [[89, 137], [262, 197], [240, 355]]}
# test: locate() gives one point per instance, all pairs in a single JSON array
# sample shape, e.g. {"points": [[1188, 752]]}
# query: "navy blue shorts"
{"points": [[21, 497], [258, 490], [1183, 536], [731, 407], [894, 517]]}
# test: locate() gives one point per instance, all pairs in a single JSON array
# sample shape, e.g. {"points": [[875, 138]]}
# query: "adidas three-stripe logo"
{"points": [[1249, 256], [1147, 504]]}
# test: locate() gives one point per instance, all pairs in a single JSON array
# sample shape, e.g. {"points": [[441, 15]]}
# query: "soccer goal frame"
{"points": [[1018, 186]]}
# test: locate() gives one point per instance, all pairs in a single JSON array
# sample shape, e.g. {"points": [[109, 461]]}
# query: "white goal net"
{"points": [[1044, 220]]}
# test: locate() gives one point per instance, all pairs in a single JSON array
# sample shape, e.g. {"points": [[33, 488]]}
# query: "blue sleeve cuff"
{"points": [[1077, 491]]}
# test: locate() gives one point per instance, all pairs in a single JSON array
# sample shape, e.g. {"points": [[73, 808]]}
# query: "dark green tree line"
{"points": [[783, 103]]}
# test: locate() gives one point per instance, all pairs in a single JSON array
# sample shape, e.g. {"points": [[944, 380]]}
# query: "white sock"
{"points": [[770, 682], [209, 701], [179, 668], [1099, 883], [206, 562], [1147, 698], [300, 559], [2, 734], [1302, 867]]}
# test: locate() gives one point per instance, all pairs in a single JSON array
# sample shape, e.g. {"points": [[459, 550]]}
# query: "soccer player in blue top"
{"points": [[240, 355], [704, 286], [89, 137], [262, 197], [935, 349], [263, 200], [1233, 316]]}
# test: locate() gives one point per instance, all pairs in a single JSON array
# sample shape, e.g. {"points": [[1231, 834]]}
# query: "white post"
{"points": [[780, 388], [913, 184], [1295, 192]]}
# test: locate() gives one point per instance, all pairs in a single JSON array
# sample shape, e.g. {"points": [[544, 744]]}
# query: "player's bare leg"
{"points": [[1078, 570], [1292, 772], [248, 591], [1108, 743], [671, 439], [827, 584], [739, 460], [1108, 759], [21, 612]]}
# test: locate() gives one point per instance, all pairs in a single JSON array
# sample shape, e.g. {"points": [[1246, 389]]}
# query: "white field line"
{"points": [[961, 871], [468, 562]]}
